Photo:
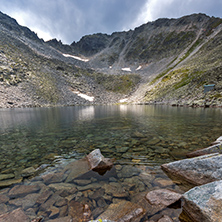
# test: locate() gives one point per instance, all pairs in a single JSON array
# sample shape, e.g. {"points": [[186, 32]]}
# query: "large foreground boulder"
{"points": [[198, 170], [204, 203]]}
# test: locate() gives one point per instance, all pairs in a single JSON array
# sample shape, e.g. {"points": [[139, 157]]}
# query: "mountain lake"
{"points": [[139, 138]]}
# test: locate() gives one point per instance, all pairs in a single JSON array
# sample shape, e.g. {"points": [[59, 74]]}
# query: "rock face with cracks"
{"points": [[197, 170], [204, 203]]}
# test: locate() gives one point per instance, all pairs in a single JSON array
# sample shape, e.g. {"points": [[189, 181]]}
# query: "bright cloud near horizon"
{"points": [[69, 20]]}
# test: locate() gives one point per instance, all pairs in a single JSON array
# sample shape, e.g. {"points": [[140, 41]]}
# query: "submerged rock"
{"points": [[204, 203], [123, 211], [15, 216], [198, 170]]}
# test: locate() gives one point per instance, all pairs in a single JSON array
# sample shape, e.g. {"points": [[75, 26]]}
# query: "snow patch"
{"points": [[84, 96], [76, 57], [126, 69], [123, 100], [140, 67]]}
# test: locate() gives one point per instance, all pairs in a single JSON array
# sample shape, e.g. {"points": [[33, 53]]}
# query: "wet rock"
{"points": [[138, 135], [212, 149], [6, 176], [97, 194], [165, 219], [49, 203], [62, 219], [163, 182], [7, 183], [44, 196], [3, 198], [123, 211], [28, 172], [198, 170], [3, 208], [22, 190], [163, 197], [54, 178], [115, 190], [97, 211], [17, 215], [54, 212], [98, 162], [128, 171], [92, 186], [204, 203], [25, 202], [63, 211], [82, 182], [70, 188], [79, 212], [76, 169]]}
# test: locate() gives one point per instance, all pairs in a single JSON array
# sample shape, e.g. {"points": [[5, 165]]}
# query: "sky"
{"points": [[69, 20]]}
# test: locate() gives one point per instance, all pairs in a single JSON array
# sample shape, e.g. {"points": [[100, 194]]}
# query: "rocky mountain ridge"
{"points": [[165, 61]]}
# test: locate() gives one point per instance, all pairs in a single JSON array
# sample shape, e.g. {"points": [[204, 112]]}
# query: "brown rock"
{"points": [[62, 219], [7, 183], [25, 202], [163, 182], [3, 208], [17, 215], [3, 198], [165, 219], [123, 211], [79, 212], [163, 197], [76, 169], [54, 178], [50, 202], [54, 212], [63, 211], [22, 190], [98, 162], [44, 196]]}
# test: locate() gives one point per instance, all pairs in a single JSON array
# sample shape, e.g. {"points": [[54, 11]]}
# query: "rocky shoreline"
{"points": [[96, 188]]}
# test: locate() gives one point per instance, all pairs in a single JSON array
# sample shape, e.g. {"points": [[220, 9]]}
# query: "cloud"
{"points": [[69, 20], [154, 9]]}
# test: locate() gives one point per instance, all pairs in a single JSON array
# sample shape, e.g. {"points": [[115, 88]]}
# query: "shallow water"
{"points": [[145, 136]]}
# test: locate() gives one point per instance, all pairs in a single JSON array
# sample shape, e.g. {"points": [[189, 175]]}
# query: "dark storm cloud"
{"points": [[69, 20]]}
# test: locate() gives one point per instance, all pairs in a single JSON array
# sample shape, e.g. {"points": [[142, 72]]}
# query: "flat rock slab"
{"points": [[17, 215], [163, 197], [198, 170], [204, 203], [211, 149], [22, 190], [123, 211]]}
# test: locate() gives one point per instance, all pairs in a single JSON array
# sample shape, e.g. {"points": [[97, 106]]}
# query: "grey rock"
{"points": [[28, 172], [204, 203], [98, 162], [217, 148], [197, 170]]}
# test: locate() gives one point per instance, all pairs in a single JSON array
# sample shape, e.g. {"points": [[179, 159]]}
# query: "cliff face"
{"points": [[166, 61]]}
